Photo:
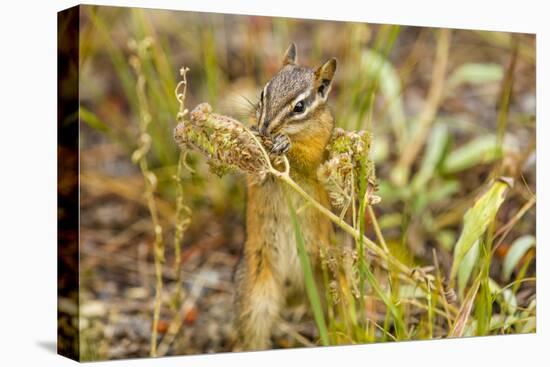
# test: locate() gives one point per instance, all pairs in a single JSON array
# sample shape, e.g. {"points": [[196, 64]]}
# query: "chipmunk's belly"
{"points": [[280, 237]]}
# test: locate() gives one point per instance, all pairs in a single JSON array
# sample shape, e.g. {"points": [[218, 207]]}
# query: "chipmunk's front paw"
{"points": [[281, 145], [254, 130]]}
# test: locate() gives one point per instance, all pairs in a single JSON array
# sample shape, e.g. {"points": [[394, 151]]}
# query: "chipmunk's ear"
{"points": [[323, 77], [290, 55]]}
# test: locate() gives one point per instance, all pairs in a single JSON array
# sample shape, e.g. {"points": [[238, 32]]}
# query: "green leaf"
{"points": [[379, 69], [518, 249], [505, 297], [446, 238], [93, 121], [475, 73], [477, 219], [530, 325], [381, 150], [311, 288], [434, 194], [494, 288], [509, 301], [478, 151], [434, 153], [466, 267]]}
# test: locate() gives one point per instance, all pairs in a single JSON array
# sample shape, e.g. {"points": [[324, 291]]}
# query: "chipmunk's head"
{"points": [[294, 100]]}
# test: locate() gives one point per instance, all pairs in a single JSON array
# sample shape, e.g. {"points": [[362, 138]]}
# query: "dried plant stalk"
{"points": [[140, 157], [182, 222], [183, 212]]}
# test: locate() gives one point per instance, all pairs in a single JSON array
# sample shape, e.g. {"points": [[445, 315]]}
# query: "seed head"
{"points": [[226, 142], [347, 165]]}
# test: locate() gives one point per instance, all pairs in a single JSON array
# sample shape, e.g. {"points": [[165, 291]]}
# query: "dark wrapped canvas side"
{"points": [[68, 343]]}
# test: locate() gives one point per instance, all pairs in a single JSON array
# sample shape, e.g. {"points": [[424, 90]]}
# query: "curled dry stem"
{"points": [[140, 157], [183, 212]]}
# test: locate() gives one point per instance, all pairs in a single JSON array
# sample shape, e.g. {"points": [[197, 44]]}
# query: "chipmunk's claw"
{"points": [[281, 145]]}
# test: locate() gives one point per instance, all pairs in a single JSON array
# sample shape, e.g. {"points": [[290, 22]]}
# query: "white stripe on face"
{"points": [[273, 124], [306, 112]]}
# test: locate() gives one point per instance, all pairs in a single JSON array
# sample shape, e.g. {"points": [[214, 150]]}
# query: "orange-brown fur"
{"points": [[270, 271]]}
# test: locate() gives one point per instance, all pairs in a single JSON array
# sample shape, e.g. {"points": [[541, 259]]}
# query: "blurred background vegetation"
{"points": [[449, 111]]}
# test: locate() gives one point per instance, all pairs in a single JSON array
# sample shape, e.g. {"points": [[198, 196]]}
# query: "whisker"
{"points": [[252, 104]]}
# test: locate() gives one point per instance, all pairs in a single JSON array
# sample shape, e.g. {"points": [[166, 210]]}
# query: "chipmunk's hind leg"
{"points": [[258, 301]]}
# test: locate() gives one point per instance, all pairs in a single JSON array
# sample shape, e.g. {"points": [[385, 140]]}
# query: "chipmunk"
{"points": [[293, 112]]}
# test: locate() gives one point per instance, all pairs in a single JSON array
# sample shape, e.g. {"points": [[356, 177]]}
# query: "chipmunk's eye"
{"points": [[299, 107]]}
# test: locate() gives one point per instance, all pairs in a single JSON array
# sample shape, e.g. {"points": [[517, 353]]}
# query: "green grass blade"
{"points": [[395, 312], [516, 252], [477, 220], [117, 57], [380, 72], [480, 150], [485, 299], [311, 288], [475, 73], [466, 267], [435, 150], [93, 121]]}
